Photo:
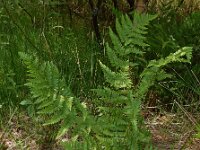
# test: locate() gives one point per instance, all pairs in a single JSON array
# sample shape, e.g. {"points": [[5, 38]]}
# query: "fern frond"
{"points": [[119, 104], [115, 60], [110, 95], [64, 128], [182, 55], [117, 80], [118, 107], [55, 119], [52, 98]]}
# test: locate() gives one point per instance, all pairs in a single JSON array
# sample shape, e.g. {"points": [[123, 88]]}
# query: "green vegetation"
{"points": [[99, 75]]}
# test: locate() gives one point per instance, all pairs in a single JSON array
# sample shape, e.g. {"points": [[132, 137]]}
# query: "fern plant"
{"points": [[116, 122], [120, 101], [51, 97]]}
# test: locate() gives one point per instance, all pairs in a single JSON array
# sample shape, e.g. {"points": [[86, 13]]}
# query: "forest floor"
{"points": [[173, 132], [169, 132]]}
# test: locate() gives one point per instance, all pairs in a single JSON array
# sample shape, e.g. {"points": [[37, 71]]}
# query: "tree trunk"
{"points": [[131, 4], [141, 5], [95, 11]]}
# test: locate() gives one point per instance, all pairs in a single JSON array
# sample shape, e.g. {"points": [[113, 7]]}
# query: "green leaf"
{"points": [[26, 102]]}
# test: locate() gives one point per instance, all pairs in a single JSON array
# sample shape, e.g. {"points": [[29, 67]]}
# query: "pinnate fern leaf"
{"points": [[52, 98], [119, 103]]}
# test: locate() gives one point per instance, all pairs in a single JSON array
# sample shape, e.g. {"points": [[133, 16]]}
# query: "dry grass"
{"points": [[169, 131], [172, 132], [19, 133], [22, 133]]}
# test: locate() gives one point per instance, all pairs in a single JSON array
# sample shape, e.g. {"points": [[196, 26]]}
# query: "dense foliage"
{"points": [[85, 69]]}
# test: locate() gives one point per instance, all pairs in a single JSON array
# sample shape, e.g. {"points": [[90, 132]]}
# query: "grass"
{"points": [[19, 132], [75, 56], [75, 53]]}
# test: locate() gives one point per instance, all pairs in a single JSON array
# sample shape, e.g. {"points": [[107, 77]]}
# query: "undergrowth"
{"points": [[115, 121], [88, 95]]}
